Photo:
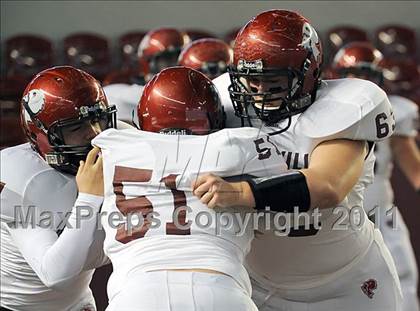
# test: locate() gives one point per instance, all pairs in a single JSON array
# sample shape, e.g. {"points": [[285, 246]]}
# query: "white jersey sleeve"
{"points": [[37, 203], [126, 98], [57, 260], [406, 116], [350, 109]]}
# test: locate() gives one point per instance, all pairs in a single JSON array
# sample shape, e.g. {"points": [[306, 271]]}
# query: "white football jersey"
{"points": [[152, 173], [125, 97], [28, 181], [347, 109], [380, 193]]}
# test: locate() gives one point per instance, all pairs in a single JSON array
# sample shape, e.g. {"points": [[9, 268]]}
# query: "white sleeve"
{"points": [[406, 116], [57, 259], [96, 257], [364, 113]]}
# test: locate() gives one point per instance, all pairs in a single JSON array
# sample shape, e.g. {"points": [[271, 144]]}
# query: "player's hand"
{"points": [[90, 178], [216, 192]]}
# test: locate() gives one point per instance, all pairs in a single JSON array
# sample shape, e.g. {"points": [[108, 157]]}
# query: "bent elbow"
{"points": [[52, 283], [55, 282]]}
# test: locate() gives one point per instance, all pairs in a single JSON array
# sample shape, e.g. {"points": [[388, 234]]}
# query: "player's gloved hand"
{"points": [[89, 176], [215, 192]]}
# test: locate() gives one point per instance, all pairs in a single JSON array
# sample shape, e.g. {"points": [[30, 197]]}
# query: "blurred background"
{"points": [[102, 37]]}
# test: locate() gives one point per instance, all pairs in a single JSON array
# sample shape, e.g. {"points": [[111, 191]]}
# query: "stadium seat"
{"points": [[11, 89], [26, 55]]}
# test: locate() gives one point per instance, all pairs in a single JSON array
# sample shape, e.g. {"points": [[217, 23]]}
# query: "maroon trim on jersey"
{"points": [[143, 205], [130, 206], [180, 200], [129, 174]]}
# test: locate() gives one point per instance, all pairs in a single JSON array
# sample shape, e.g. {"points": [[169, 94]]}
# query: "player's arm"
{"points": [[57, 259], [407, 156], [334, 169]]}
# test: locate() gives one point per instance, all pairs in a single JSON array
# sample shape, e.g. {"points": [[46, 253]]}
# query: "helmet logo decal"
{"points": [[310, 40], [36, 101], [250, 65]]}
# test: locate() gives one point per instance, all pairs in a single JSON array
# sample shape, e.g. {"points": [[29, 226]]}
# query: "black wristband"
{"points": [[281, 193]]}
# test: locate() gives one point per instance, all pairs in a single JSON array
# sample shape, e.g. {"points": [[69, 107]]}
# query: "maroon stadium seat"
{"points": [[26, 55], [11, 89]]}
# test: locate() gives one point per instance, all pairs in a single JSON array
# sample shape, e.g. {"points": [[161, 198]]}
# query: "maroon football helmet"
{"points": [[180, 100], [278, 47], [160, 49], [360, 60], [396, 41], [339, 36], [209, 56], [128, 44], [401, 77], [60, 101]]}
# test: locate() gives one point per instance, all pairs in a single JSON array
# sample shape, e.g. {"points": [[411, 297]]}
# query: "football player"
{"points": [[209, 56], [326, 132], [177, 256], [49, 242], [158, 49], [363, 60]]}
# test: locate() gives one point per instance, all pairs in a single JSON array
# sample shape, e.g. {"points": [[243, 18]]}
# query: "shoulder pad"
{"points": [[406, 116], [348, 109], [28, 163], [36, 189]]}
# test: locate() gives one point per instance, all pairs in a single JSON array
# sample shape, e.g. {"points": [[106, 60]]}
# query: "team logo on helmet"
{"points": [[36, 100], [368, 287], [310, 40]]}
